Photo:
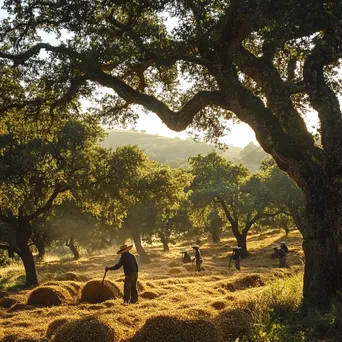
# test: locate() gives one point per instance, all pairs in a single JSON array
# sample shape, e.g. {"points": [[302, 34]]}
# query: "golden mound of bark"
{"points": [[174, 263], [218, 305], [95, 292], [48, 296], [175, 270], [55, 325], [88, 329], [71, 286], [7, 302], [250, 280], [189, 267], [73, 276], [3, 294], [172, 329], [234, 324], [149, 295], [19, 338]]}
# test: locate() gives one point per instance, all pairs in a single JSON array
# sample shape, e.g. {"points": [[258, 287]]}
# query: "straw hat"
{"points": [[282, 242], [124, 249], [195, 246], [236, 247], [183, 251]]}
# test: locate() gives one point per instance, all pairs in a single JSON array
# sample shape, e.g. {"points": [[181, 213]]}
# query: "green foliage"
{"points": [[243, 197], [156, 210], [38, 167], [278, 315], [286, 195], [4, 258]]}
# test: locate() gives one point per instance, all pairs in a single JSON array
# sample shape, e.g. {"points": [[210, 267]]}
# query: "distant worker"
{"points": [[130, 267], [284, 247], [186, 258], [236, 256], [278, 253], [198, 258]]}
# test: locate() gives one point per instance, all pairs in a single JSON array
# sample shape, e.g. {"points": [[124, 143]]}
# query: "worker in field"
{"points": [[130, 268], [198, 258], [236, 256], [186, 258], [278, 253], [284, 247]]}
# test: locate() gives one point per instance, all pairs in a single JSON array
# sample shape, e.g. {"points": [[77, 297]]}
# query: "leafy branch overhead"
{"points": [[128, 48]]}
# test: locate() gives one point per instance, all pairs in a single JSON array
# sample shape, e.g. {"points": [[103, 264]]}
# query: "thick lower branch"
{"points": [[176, 121]]}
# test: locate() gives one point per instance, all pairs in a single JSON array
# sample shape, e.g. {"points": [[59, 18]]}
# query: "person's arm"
{"points": [[115, 267]]}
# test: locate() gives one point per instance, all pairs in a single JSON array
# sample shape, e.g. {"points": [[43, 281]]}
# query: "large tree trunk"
{"points": [[242, 242], [23, 235], [40, 245], [285, 225], [72, 247], [241, 238], [323, 269], [29, 265], [215, 236], [10, 252], [41, 252], [138, 246], [165, 243]]}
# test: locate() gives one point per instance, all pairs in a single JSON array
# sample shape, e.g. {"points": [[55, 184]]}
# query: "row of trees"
{"points": [[58, 184]]}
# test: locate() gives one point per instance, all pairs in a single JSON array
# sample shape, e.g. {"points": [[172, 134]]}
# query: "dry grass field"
{"points": [[175, 303]]}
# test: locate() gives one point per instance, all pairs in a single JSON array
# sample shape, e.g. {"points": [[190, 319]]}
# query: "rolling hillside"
{"points": [[176, 151]]}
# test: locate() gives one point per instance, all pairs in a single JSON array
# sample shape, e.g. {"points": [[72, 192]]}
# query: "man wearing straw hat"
{"points": [[130, 266], [279, 253], [198, 258]]}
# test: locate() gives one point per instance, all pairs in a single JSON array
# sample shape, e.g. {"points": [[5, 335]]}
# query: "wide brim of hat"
{"points": [[283, 242], [183, 251], [195, 246], [127, 249], [236, 247]]}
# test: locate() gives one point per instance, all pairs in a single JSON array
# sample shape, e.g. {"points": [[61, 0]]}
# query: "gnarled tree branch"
{"points": [[176, 120]]}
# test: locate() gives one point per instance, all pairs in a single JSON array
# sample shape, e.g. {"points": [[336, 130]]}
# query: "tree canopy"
{"points": [[244, 198]]}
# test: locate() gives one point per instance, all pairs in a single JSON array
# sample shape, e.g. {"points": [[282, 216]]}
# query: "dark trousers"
{"points": [[199, 262], [130, 288], [237, 264], [282, 261]]}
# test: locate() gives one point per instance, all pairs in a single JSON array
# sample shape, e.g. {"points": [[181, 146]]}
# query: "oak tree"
{"points": [[266, 62]]}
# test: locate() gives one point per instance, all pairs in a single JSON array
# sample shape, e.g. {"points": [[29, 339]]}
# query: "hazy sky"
{"points": [[240, 134]]}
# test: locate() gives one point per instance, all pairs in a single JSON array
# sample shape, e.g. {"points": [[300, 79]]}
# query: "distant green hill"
{"points": [[173, 151]]}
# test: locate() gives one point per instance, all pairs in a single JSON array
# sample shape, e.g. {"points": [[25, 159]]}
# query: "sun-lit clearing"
{"points": [[175, 303]]}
